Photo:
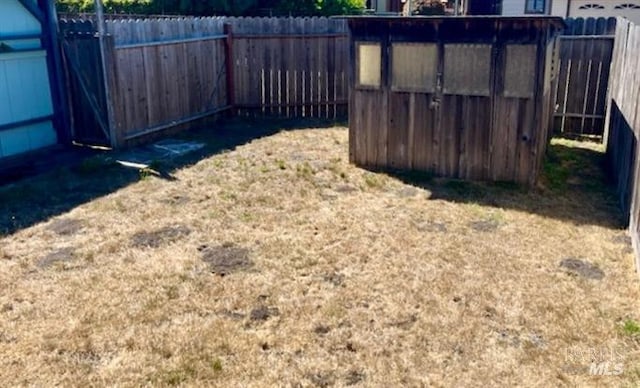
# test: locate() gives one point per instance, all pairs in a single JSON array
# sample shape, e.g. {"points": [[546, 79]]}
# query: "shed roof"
{"points": [[555, 21]]}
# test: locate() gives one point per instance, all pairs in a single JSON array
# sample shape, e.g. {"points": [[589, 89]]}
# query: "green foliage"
{"points": [[340, 7], [218, 7], [631, 327], [112, 6]]}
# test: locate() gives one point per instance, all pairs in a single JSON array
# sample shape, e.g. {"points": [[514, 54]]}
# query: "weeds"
{"points": [[374, 181], [282, 165], [631, 327]]}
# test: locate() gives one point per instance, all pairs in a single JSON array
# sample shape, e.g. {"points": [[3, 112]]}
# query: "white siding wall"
{"points": [[609, 9], [24, 84], [513, 7], [559, 8]]}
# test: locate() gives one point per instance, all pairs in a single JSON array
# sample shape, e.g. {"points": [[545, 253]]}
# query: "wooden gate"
{"points": [[585, 57], [85, 81]]}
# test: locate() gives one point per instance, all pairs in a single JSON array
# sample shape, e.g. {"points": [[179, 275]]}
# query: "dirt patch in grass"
{"points": [[335, 278], [177, 200], [354, 377], [582, 268], [484, 225], [408, 192], [322, 379], [58, 256], [262, 313], [66, 226], [158, 237], [345, 189], [226, 258], [321, 329], [430, 226]]}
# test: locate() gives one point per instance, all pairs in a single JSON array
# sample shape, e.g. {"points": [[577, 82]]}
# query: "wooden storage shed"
{"points": [[462, 97]]}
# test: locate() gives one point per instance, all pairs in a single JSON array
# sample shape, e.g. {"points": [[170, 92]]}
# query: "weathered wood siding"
{"points": [[478, 123], [623, 123]]}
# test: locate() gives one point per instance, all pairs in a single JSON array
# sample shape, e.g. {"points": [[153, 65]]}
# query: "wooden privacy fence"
{"points": [[169, 71], [623, 123], [161, 81], [293, 67], [585, 55], [166, 72]]}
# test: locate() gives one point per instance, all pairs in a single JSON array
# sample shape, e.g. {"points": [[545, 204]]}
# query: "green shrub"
{"points": [[218, 7]]}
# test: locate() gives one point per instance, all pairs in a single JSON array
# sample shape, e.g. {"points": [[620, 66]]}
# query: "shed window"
{"points": [[534, 6], [467, 69], [520, 72], [369, 65], [415, 67]]}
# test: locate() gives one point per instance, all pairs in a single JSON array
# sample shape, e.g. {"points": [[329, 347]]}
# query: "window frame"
{"points": [[359, 85], [529, 7]]}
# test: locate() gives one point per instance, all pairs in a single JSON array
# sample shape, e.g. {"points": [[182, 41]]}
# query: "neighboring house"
{"points": [[629, 9], [563, 8], [29, 99], [385, 6]]}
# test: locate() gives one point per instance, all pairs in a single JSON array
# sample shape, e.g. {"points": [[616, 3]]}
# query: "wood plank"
{"points": [[449, 132], [424, 124], [194, 96], [359, 128], [398, 136], [290, 58]]}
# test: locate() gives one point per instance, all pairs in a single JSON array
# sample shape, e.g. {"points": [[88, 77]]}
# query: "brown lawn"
{"points": [[279, 263]]}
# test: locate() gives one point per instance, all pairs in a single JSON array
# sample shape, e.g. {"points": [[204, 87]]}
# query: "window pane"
{"points": [[369, 64], [467, 69], [520, 72], [415, 67], [535, 6]]}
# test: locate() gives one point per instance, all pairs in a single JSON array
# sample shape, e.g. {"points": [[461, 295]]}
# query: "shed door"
{"points": [[439, 108], [26, 106]]}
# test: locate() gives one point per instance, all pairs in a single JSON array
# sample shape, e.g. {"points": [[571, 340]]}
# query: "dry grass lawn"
{"points": [[277, 263]]}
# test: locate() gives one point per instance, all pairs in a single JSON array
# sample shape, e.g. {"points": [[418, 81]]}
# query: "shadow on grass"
{"points": [[573, 187], [35, 199]]}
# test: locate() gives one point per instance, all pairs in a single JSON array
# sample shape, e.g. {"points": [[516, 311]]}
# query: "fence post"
{"points": [[229, 64], [111, 92], [106, 59]]}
